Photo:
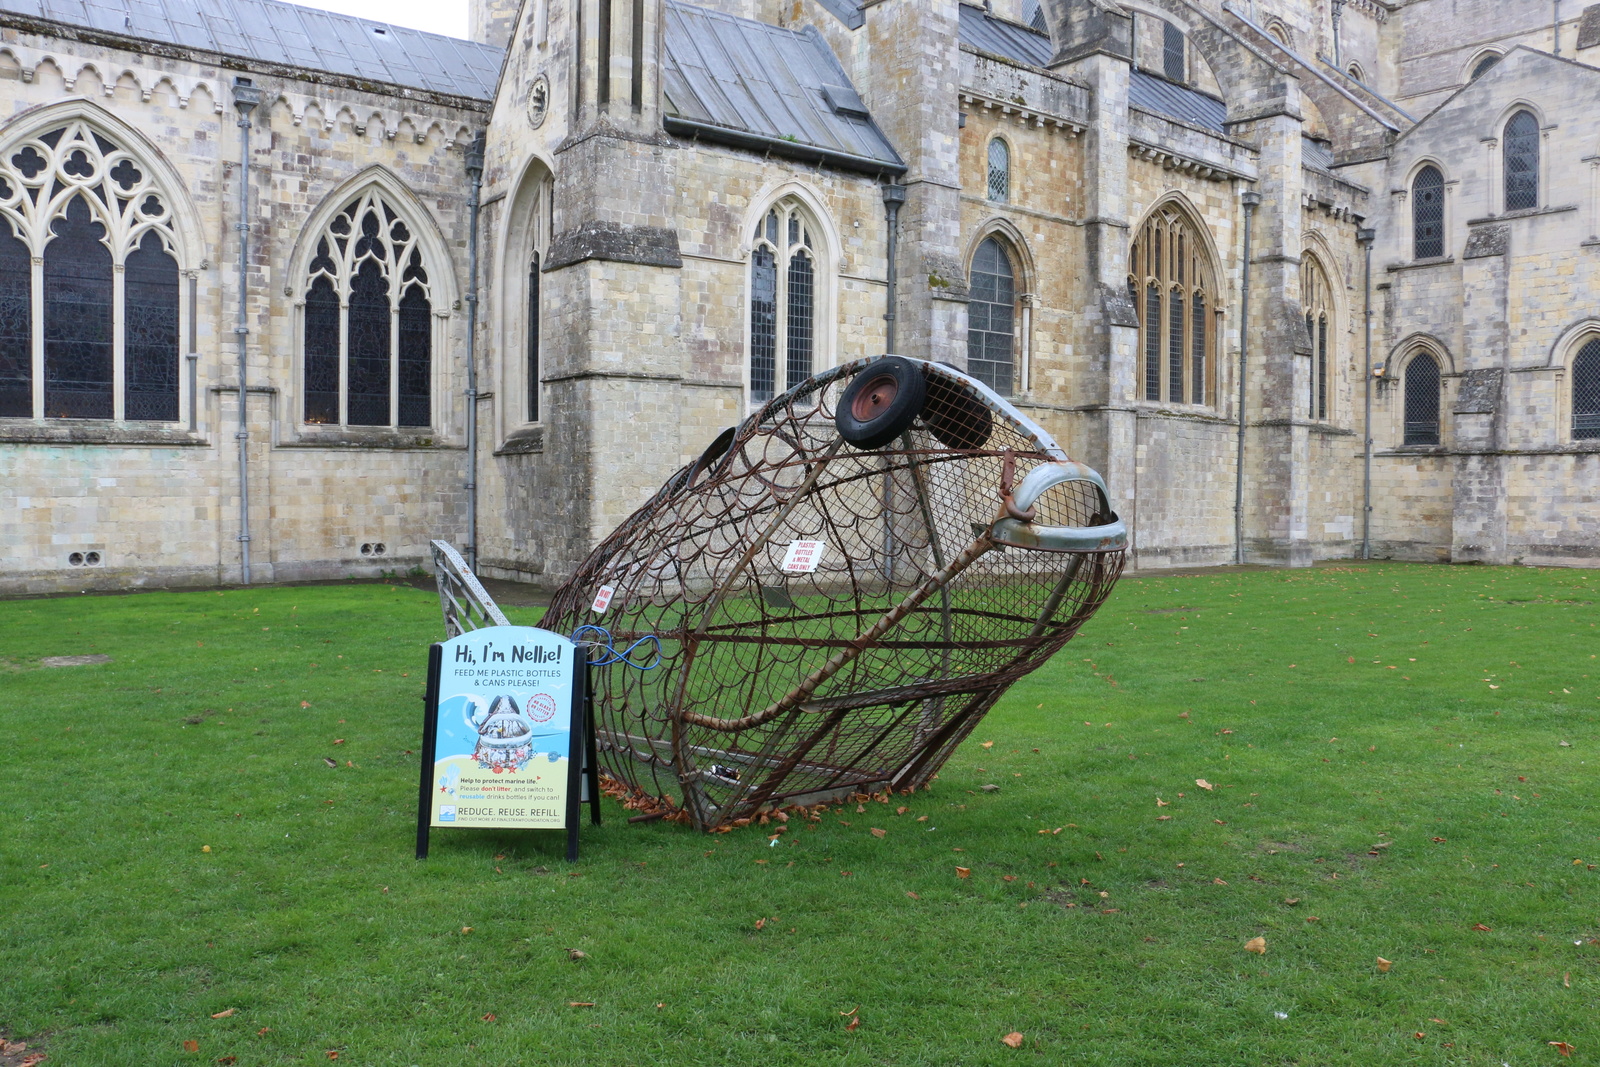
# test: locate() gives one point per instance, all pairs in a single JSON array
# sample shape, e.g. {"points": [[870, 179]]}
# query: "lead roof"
{"points": [[271, 31]]}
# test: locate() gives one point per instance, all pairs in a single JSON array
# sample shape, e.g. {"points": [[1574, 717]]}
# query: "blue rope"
{"points": [[598, 637]]}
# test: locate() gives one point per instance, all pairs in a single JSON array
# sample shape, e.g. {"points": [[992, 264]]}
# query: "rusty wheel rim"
{"points": [[874, 399]]}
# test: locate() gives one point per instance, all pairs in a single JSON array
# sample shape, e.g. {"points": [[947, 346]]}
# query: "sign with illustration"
{"points": [[503, 740]]}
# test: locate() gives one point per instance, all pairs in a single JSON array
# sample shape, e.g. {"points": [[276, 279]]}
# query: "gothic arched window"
{"points": [[1316, 297], [1427, 213], [999, 171], [369, 325], [1422, 400], [991, 318], [1484, 65], [1586, 392], [1522, 161], [783, 302], [1169, 280], [74, 207], [532, 326]]}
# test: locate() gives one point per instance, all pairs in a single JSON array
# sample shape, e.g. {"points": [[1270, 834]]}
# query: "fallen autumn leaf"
{"points": [[1012, 1040], [1257, 945], [1384, 965]]}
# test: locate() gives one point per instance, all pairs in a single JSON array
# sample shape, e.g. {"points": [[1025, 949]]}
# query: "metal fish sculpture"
{"points": [[842, 585]]}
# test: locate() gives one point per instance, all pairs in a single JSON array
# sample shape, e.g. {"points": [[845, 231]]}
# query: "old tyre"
{"points": [[880, 402], [956, 416]]}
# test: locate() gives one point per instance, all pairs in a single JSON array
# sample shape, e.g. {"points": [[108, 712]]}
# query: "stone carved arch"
{"points": [[525, 234]]}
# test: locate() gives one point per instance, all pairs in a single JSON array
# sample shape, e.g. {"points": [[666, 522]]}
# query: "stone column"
{"points": [[1475, 432], [1113, 387], [1277, 440], [612, 284], [912, 85]]}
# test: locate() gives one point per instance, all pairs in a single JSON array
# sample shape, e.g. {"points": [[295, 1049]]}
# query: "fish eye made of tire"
{"points": [[887, 396]]}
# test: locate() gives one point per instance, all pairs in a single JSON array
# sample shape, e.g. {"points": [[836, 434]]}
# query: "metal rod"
{"points": [[475, 175], [1366, 237], [245, 99], [1251, 201]]}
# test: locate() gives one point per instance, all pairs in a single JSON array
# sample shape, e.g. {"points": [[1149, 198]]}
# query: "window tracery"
{"points": [[1316, 296], [1422, 400], [1522, 161], [999, 183], [991, 317], [1586, 392], [368, 321], [85, 228], [1168, 282], [783, 301], [1427, 213]]}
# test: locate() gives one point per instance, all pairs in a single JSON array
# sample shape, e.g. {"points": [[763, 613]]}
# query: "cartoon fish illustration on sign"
{"points": [[842, 585]]}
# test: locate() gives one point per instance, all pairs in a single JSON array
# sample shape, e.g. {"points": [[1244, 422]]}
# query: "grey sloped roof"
{"points": [[981, 30], [1314, 153], [271, 31], [1150, 93], [746, 83]]}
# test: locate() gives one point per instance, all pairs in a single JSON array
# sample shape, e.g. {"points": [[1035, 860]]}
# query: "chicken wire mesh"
{"points": [[934, 586]]}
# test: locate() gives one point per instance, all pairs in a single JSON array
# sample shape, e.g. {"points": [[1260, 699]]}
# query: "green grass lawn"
{"points": [[1404, 766]]}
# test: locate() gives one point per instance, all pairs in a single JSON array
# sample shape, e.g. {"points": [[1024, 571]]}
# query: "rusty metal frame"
{"points": [[779, 687]]}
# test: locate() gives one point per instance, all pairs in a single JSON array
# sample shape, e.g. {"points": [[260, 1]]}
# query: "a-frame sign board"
{"points": [[508, 735]]}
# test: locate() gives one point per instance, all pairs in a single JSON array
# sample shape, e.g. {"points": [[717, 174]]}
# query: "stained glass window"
{"points": [[369, 362], [1586, 393], [1427, 213], [784, 293], [1168, 264], [73, 199], [16, 327], [78, 331], [1522, 161], [999, 171], [1422, 400], [150, 332], [991, 313]]}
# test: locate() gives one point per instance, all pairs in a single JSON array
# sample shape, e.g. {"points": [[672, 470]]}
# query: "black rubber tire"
{"points": [[880, 403]]}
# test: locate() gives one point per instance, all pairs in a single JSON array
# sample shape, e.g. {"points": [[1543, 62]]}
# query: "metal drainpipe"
{"points": [[475, 176], [1251, 200], [1365, 237], [1555, 27], [893, 197], [245, 98]]}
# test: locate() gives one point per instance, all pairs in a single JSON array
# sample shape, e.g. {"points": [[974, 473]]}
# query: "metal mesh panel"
{"points": [[16, 325], [1427, 213], [782, 687], [532, 327], [1197, 346], [150, 332], [1175, 346], [1586, 393], [991, 314], [1152, 342], [763, 323], [77, 318], [1522, 161], [367, 348], [999, 171], [1172, 52], [1422, 401], [322, 353], [799, 325]]}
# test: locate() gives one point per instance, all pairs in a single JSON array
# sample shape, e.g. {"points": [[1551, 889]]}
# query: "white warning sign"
{"points": [[803, 556], [602, 600]]}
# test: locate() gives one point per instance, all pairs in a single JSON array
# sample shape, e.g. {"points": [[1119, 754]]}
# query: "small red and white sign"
{"points": [[803, 556], [602, 600]]}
